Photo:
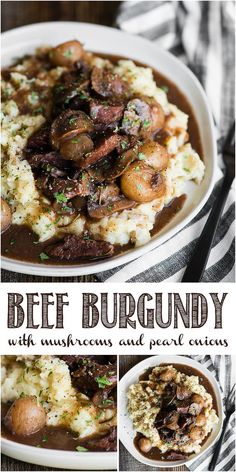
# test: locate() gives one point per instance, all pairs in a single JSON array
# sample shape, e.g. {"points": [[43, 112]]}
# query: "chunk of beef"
{"points": [[72, 361], [39, 140], [108, 85], [104, 147], [175, 456], [47, 161], [106, 443], [73, 248], [68, 187], [112, 167], [92, 376], [105, 113], [73, 95]]}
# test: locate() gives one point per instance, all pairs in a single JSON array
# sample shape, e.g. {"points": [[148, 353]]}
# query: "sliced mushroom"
{"points": [[154, 155], [67, 53], [75, 148], [64, 208], [73, 96], [107, 209], [6, 217], [141, 183], [107, 84], [68, 125]]}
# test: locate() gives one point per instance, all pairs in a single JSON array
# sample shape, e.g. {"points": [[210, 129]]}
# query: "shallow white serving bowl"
{"points": [[60, 459], [126, 431], [17, 42]]}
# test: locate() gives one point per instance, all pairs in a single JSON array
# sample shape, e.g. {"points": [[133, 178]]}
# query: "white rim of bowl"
{"points": [[61, 270]]}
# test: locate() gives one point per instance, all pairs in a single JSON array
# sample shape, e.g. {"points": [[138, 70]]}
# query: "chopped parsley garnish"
{"points": [[103, 381], [72, 120], [107, 402], [33, 97], [141, 156], [60, 197], [139, 187], [146, 123], [81, 449], [82, 96], [75, 140], [123, 144], [43, 256], [67, 53], [165, 88], [12, 242], [45, 439]]}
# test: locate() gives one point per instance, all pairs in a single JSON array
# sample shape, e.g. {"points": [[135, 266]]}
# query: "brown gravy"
{"points": [[20, 243], [155, 454], [49, 437]]}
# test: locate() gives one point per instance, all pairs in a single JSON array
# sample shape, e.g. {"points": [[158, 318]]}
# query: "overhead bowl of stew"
{"points": [[60, 411], [108, 148], [170, 410]]}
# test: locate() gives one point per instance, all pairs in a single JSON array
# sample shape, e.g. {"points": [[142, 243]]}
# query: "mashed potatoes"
{"points": [[30, 207], [146, 400], [48, 379]]}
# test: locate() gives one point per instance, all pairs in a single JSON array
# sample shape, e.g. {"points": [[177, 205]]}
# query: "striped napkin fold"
{"points": [[201, 34], [223, 368]]}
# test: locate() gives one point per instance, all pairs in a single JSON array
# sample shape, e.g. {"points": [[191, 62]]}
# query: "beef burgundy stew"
{"points": [[94, 154], [181, 414]]}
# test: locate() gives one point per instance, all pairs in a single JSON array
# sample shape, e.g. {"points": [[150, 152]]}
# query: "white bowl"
{"points": [[126, 430], [60, 459], [17, 42]]}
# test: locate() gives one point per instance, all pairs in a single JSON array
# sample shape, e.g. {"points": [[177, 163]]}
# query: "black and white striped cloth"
{"points": [[201, 34], [223, 367]]}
